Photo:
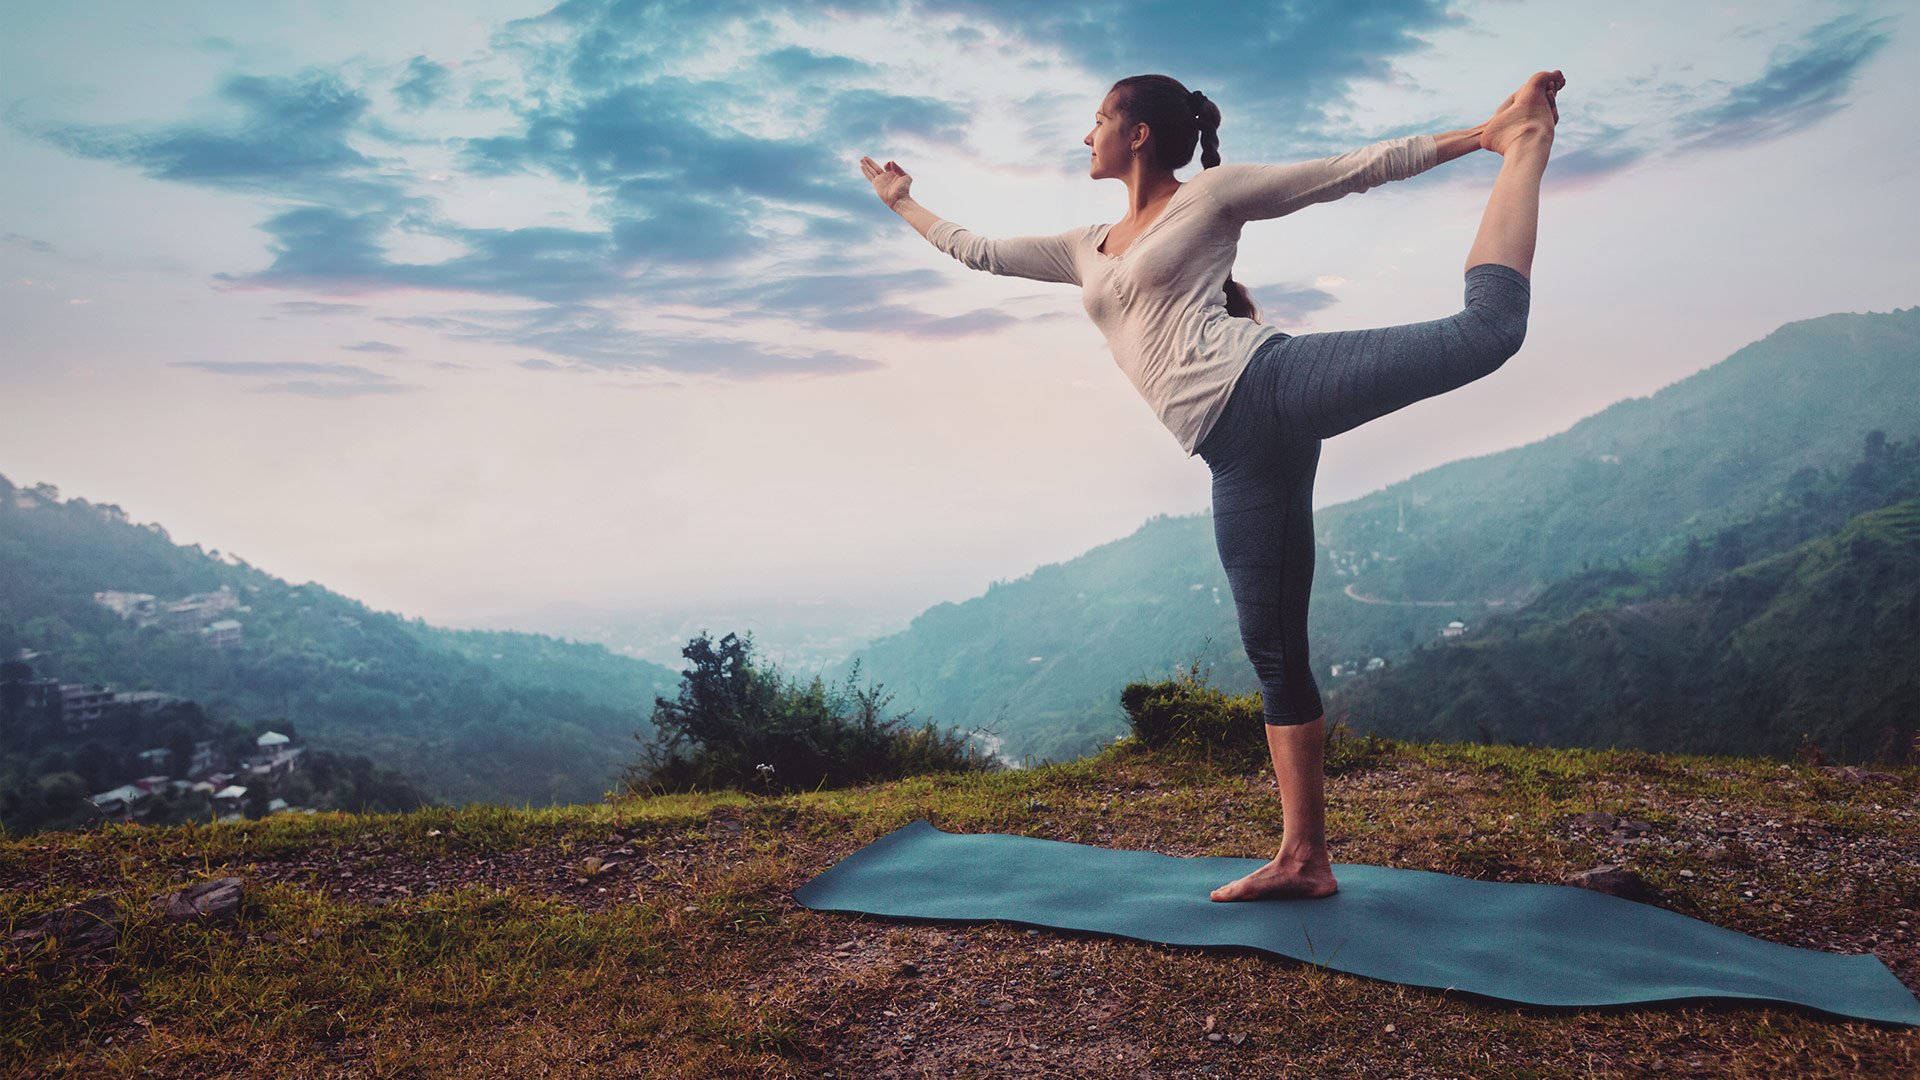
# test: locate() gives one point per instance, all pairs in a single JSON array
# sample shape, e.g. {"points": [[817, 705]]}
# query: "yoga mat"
{"points": [[1533, 944]]}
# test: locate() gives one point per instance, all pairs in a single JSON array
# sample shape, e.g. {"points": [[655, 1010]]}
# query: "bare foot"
{"points": [[1277, 880], [1528, 115]]}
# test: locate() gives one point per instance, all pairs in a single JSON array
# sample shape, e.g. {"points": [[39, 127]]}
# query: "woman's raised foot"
{"points": [[1527, 117]]}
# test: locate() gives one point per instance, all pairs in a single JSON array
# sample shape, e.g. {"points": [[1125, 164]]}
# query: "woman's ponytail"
{"points": [[1239, 301]]}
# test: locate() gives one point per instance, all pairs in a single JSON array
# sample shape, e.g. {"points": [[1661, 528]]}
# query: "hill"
{"points": [[1644, 478], [657, 936], [474, 715], [1816, 643]]}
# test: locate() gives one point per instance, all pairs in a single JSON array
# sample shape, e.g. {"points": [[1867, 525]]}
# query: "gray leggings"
{"points": [[1265, 446]]}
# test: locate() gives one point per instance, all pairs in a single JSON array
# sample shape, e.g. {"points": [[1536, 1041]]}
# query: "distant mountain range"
{"points": [[1724, 566], [1041, 658], [474, 715]]}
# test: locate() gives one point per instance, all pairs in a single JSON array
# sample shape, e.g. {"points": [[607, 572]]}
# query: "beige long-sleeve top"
{"points": [[1161, 303]]}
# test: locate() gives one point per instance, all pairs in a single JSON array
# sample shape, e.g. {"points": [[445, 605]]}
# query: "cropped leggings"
{"points": [[1264, 448]]}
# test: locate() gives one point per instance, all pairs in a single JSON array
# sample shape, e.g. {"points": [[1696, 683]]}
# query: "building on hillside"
{"points": [[141, 700], [1376, 664], [224, 634], [271, 738], [230, 799], [275, 762], [149, 783], [83, 704], [156, 757], [121, 802], [204, 759], [37, 696], [128, 605], [1454, 629]]}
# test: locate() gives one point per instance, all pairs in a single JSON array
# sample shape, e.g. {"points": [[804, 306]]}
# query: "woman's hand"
{"points": [[1528, 114], [890, 183]]}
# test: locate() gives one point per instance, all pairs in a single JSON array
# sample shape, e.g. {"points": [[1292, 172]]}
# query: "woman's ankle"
{"points": [[1302, 854]]}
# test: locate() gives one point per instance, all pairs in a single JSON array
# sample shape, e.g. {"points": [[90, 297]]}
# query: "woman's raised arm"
{"points": [[1041, 258]]}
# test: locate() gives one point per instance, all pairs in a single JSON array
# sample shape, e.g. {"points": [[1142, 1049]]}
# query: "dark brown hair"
{"points": [[1176, 119]]}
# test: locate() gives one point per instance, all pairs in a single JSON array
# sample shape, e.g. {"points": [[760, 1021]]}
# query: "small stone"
{"points": [[1612, 878], [215, 899], [1686, 873], [1214, 1036], [1389, 1029], [1237, 1038], [85, 927]]}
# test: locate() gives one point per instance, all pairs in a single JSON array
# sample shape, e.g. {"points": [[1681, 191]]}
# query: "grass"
{"points": [[657, 937]]}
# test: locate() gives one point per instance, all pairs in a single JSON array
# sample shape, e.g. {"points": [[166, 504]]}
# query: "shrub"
{"points": [[1184, 718], [738, 724]]}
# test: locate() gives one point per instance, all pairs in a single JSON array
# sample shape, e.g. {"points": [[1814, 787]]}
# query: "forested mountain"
{"points": [[1645, 478], [1819, 643], [474, 715]]}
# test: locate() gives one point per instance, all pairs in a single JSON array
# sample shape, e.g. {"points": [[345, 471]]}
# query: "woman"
{"points": [[1253, 402]]}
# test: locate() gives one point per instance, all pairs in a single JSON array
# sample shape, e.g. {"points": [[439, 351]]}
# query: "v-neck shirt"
{"points": [[1106, 231], [1161, 303]]}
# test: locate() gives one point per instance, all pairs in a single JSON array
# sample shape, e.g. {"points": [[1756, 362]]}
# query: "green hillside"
{"points": [[473, 715], [1818, 643], [1643, 478]]}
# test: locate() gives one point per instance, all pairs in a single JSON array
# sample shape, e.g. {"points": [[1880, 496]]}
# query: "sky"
{"points": [[463, 309]]}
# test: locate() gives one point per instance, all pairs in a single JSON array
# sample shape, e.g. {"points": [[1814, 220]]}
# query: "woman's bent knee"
{"points": [[1498, 300]]}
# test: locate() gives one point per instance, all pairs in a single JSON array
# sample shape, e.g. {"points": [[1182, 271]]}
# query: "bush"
{"points": [[738, 724], [1184, 718]]}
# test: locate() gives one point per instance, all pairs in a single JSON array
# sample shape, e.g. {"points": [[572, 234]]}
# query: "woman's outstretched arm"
{"points": [[1041, 258], [1256, 192]]}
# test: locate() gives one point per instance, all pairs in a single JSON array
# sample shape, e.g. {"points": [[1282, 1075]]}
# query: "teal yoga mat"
{"points": [[1533, 944]]}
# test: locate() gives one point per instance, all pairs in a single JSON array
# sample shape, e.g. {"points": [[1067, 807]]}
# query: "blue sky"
{"points": [[463, 308]]}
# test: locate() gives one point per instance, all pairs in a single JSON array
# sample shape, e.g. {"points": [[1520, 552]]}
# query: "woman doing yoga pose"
{"points": [[1251, 401]]}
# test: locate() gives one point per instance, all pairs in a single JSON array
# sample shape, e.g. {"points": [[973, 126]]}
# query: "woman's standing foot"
{"points": [[1282, 879]]}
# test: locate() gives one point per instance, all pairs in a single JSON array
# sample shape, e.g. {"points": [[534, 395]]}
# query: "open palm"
{"points": [[890, 182]]}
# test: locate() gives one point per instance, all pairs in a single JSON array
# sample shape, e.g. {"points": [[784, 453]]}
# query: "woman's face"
{"points": [[1112, 150]]}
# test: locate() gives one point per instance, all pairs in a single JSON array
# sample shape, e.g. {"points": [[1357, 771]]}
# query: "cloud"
{"points": [[374, 347], [28, 242], [1289, 305], [291, 139], [314, 307], [333, 390], [424, 83], [341, 380], [598, 339], [1802, 85]]}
